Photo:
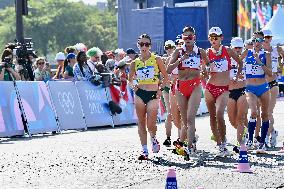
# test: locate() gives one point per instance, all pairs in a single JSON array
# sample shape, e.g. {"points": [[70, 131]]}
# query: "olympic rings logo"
{"points": [[66, 101]]}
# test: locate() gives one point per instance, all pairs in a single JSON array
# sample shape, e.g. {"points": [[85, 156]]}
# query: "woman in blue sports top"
{"points": [[257, 65]]}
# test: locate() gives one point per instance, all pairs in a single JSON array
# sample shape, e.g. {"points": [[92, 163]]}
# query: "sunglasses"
{"points": [[40, 63], [187, 37], [168, 47], [258, 40], [141, 44], [268, 37], [215, 38], [237, 48]]}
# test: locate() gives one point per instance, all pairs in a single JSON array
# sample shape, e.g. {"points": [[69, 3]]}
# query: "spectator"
{"points": [[119, 55], [110, 63], [7, 68], [70, 49], [60, 57], [94, 55], [131, 53], [110, 55], [81, 69], [122, 74], [71, 60], [43, 72]]}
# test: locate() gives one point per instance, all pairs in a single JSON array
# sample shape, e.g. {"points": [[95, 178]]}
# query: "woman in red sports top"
{"points": [[216, 93], [188, 61]]}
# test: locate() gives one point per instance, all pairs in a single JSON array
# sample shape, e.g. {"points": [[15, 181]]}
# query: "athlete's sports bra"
{"points": [[192, 62], [219, 63], [253, 69], [148, 73], [274, 60], [234, 70]]}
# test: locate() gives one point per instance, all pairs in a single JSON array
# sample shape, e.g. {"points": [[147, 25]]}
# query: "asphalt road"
{"points": [[107, 158]]}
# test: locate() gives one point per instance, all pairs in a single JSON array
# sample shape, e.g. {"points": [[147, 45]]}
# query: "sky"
{"points": [[92, 2]]}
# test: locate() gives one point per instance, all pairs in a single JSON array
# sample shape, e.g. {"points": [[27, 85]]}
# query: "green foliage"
{"points": [[55, 24]]}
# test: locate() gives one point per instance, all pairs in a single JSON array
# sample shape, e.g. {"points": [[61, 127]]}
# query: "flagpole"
{"points": [[256, 23], [246, 29], [239, 28], [251, 19]]}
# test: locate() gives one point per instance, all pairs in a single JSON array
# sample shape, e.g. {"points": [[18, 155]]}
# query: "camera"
{"points": [[24, 51]]}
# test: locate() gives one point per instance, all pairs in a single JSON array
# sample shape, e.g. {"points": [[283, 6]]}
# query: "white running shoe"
{"points": [[273, 138], [155, 145], [223, 151], [249, 145], [261, 149]]}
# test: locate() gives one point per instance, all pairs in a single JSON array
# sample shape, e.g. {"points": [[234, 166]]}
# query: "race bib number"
{"points": [[191, 62], [146, 73], [254, 69], [219, 65]]}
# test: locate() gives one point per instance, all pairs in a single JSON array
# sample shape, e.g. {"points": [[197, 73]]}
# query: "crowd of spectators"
{"points": [[76, 63]]}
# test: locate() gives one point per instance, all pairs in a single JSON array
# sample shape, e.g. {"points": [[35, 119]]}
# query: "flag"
{"points": [[264, 13], [275, 7], [243, 19], [268, 12], [260, 16], [252, 10]]}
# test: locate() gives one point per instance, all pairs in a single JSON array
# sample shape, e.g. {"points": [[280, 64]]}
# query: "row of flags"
{"points": [[260, 11]]}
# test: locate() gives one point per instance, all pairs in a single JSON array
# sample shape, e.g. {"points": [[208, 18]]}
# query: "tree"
{"points": [[55, 24]]}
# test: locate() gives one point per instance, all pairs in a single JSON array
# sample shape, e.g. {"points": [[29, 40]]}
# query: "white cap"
{"points": [[60, 56], [81, 47], [237, 42], [267, 33], [170, 43], [215, 30]]}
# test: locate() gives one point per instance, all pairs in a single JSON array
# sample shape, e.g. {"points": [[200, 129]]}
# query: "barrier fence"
{"points": [[64, 105]]}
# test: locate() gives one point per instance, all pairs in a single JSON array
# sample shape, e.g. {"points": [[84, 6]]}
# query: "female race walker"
{"points": [[188, 60], [146, 69], [216, 93], [237, 106], [169, 97], [257, 65], [273, 84]]}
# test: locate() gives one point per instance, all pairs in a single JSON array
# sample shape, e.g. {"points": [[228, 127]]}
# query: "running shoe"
{"points": [[249, 145], [155, 145], [195, 142], [177, 142], [167, 142], [223, 151], [236, 149], [273, 139], [143, 156], [261, 149], [256, 141], [189, 153]]}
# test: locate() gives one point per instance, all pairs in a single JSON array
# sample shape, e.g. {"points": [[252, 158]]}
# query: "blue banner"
{"points": [[10, 115], [94, 104], [67, 105], [37, 106], [125, 100]]}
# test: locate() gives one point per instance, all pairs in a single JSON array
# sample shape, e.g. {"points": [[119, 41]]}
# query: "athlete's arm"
{"points": [[163, 70], [173, 62], [267, 68], [237, 59], [205, 61], [131, 75], [244, 54]]}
